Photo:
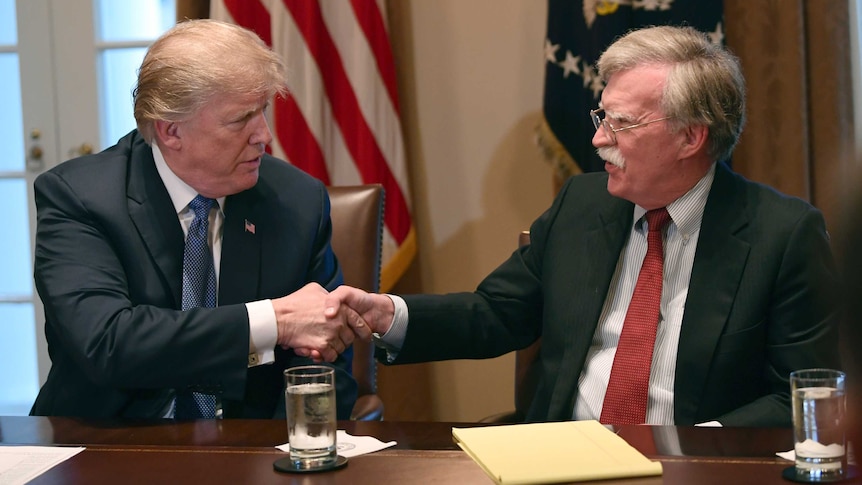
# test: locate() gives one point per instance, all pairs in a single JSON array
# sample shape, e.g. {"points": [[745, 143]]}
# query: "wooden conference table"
{"points": [[242, 452]]}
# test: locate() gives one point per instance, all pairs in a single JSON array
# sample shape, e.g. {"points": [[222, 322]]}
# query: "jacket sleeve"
{"points": [[92, 319]]}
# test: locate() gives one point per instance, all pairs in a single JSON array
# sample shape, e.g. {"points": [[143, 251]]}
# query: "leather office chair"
{"points": [[357, 234], [526, 372]]}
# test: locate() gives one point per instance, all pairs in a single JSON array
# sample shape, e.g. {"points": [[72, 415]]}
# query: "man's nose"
{"points": [[262, 133], [601, 138]]}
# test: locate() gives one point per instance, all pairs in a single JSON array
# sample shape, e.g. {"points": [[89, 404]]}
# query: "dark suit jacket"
{"points": [[108, 267], [760, 302]]}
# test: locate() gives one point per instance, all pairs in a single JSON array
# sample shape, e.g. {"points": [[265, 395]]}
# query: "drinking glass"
{"points": [[818, 428], [311, 421]]}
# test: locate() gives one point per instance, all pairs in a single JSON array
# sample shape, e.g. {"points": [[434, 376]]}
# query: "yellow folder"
{"points": [[569, 451]]}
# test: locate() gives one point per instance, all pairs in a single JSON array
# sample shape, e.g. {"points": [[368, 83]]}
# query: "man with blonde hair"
{"points": [[183, 269], [668, 290]]}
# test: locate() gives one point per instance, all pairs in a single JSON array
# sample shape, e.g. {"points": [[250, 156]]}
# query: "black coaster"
{"points": [[850, 473], [286, 465]]}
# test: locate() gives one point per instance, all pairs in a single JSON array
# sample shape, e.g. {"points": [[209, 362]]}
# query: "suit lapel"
{"points": [[719, 261], [155, 218], [153, 215], [600, 243], [243, 235]]}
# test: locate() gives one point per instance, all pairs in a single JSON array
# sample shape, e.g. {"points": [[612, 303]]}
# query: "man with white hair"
{"points": [[668, 290], [183, 269]]}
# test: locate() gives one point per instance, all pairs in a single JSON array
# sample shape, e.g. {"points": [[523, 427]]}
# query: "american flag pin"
{"points": [[249, 227]]}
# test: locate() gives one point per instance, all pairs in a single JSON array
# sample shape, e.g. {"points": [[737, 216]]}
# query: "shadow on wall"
{"points": [[516, 189], [510, 181]]}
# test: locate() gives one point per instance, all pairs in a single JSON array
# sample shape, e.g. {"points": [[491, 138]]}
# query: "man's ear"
{"points": [[167, 132], [694, 140]]}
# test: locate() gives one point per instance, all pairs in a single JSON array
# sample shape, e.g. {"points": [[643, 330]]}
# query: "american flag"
{"points": [[340, 122]]}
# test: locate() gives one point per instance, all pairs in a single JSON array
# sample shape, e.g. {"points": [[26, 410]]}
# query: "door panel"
{"points": [[65, 89]]}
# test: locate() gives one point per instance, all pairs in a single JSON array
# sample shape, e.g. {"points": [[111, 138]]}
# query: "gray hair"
{"points": [[705, 85], [196, 61]]}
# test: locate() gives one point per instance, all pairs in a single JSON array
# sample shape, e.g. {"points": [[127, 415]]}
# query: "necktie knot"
{"points": [[657, 219], [201, 206]]}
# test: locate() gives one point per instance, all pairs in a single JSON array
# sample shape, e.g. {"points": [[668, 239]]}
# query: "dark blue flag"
{"points": [[578, 32]]}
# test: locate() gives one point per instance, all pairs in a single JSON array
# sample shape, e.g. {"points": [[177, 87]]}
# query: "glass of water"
{"points": [[311, 421], [818, 427]]}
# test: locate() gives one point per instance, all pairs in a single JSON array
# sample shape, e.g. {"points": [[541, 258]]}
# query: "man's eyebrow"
{"points": [[619, 116], [250, 111]]}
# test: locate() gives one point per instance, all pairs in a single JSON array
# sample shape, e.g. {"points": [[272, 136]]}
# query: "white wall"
{"points": [[471, 74]]}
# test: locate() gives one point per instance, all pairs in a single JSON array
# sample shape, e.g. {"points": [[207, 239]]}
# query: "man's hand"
{"points": [[304, 326], [373, 309]]}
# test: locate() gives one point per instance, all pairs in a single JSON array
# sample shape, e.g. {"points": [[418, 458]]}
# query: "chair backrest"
{"points": [[357, 235]]}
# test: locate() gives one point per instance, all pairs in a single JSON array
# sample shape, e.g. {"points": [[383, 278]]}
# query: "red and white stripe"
{"points": [[341, 121]]}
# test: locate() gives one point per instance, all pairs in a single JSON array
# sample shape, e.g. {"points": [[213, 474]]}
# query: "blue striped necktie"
{"points": [[199, 290]]}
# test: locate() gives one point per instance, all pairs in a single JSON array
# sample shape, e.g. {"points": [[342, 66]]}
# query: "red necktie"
{"points": [[626, 397]]}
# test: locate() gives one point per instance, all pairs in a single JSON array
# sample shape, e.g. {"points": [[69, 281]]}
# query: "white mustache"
{"points": [[612, 155]]}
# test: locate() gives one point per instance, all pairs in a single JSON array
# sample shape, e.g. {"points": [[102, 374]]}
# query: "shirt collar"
{"points": [[180, 192], [686, 212]]}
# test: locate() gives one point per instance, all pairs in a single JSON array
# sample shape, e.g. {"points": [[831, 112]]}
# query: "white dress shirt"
{"points": [[263, 332], [680, 243]]}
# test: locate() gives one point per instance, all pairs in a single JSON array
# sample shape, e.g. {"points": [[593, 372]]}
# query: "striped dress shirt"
{"points": [[680, 243]]}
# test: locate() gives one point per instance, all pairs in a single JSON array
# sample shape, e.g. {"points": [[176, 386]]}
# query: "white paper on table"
{"points": [[787, 455], [20, 464], [350, 446], [709, 424]]}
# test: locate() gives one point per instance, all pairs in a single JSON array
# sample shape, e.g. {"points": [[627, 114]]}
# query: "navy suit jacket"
{"points": [[760, 302], [108, 268]]}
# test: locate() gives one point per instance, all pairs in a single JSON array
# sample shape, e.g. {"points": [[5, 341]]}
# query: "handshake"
{"points": [[321, 325]]}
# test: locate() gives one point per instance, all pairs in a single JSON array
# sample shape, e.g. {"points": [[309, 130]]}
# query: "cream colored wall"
{"points": [[471, 77]]}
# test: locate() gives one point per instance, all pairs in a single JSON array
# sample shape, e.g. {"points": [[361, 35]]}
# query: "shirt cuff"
{"points": [[262, 332], [393, 339]]}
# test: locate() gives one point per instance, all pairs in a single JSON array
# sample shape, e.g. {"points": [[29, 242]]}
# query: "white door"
{"points": [[67, 69]]}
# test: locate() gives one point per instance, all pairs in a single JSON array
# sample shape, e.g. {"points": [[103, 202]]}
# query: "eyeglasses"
{"points": [[597, 115]]}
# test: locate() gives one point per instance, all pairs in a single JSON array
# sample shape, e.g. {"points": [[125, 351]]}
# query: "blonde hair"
{"points": [[197, 60], [705, 85]]}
